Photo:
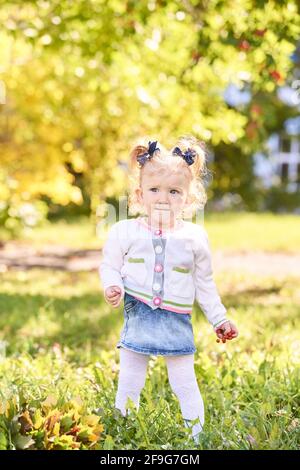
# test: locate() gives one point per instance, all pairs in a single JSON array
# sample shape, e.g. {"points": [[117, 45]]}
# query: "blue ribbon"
{"points": [[189, 155], [149, 154]]}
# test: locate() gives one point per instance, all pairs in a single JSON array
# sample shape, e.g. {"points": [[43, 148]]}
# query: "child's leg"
{"points": [[133, 368], [184, 384]]}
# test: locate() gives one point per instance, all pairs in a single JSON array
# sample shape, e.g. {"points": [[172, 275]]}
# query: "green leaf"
{"points": [[3, 441], [109, 443], [66, 423], [227, 380], [22, 442]]}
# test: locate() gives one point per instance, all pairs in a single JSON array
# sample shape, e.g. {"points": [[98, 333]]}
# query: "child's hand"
{"points": [[113, 295], [226, 331]]}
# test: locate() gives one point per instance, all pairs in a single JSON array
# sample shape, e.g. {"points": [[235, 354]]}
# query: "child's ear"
{"points": [[188, 200], [139, 194]]}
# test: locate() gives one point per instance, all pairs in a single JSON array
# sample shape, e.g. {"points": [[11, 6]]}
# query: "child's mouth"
{"points": [[162, 208]]}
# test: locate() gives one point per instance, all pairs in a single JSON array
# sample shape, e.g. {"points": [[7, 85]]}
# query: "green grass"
{"points": [[227, 231], [253, 231], [61, 342], [83, 233]]}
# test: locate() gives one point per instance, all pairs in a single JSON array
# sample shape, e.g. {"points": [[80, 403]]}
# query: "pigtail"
{"points": [[141, 154], [134, 154], [136, 167], [196, 154], [198, 151]]}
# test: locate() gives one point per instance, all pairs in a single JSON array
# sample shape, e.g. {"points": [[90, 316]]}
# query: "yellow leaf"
{"points": [[26, 422], [99, 428], [52, 418], [90, 420], [56, 429], [37, 419], [93, 437]]}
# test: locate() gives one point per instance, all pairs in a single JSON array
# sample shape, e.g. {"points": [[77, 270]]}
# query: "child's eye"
{"points": [[175, 191], [153, 190]]}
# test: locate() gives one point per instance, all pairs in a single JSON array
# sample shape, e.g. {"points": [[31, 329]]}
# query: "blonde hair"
{"points": [[166, 160]]}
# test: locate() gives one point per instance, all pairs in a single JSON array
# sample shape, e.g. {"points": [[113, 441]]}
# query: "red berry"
{"points": [[244, 45], [255, 108], [260, 32], [276, 75], [196, 56]]}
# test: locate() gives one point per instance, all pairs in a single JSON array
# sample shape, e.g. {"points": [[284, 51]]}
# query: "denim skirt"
{"points": [[157, 332]]}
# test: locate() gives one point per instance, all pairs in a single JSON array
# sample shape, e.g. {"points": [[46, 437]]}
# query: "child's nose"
{"points": [[163, 199]]}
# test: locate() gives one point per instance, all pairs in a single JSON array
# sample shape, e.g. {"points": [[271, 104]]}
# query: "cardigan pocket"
{"points": [[135, 270], [181, 282]]}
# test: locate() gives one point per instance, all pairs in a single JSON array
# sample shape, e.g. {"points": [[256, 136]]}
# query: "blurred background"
{"points": [[80, 82]]}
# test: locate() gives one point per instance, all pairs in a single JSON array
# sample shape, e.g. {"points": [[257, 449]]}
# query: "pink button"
{"points": [[157, 300], [158, 268], [158, 232]]}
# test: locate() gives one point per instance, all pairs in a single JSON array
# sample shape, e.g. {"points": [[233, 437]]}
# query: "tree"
{"points": [[85, 78]]}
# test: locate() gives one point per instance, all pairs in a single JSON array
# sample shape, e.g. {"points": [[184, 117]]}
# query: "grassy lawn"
{"points": [[254, 231], [59, 368], [227, 231]]}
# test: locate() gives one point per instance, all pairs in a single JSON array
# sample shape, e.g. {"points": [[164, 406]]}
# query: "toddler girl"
{"points": [[159, 263]]}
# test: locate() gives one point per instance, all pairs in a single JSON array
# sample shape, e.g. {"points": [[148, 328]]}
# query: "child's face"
{"points": [[163, 195]]}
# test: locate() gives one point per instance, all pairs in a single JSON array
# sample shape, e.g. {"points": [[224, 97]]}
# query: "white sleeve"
{"points": [[112, 260], [206, 291]]}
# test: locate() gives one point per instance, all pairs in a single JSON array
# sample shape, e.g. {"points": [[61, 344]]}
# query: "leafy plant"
{"points": [[49, 427]]}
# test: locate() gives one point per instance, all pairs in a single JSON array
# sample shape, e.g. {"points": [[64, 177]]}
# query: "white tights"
{"points": [[182, 379]]}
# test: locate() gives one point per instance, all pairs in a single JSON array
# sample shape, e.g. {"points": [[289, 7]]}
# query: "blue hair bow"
{"points": [[149, 154], [189, 155]]}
